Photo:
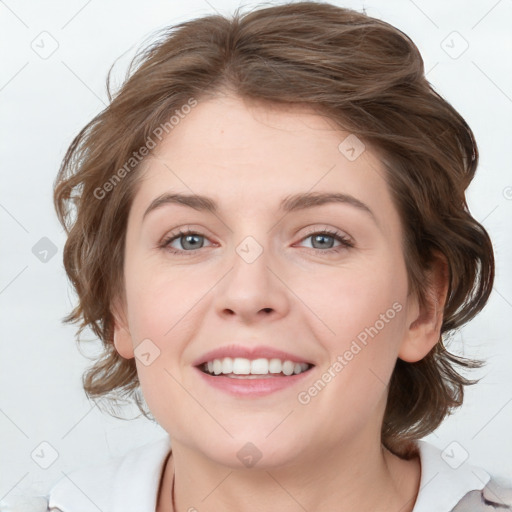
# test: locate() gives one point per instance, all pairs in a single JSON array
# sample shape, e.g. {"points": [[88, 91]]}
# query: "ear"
{"points": [[122, 337], [424, 320]]}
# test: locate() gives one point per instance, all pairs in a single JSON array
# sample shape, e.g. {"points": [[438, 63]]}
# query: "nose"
{"points": [[253, 290]]}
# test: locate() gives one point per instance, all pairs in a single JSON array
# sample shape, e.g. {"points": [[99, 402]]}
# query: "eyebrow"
{"points": [[295, 202]]}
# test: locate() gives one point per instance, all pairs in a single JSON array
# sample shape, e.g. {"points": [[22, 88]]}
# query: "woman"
{"points": [[267, 229]]}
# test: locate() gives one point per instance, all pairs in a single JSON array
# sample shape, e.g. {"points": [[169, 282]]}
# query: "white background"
{"points": [[45, 101]]}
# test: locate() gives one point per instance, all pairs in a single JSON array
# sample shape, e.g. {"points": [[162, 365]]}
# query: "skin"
{"points": [[324, 455]]}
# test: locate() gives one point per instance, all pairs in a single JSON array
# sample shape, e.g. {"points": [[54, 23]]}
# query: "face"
{"points": [[263, 278]]}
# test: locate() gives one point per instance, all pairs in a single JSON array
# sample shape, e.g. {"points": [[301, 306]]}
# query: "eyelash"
{"points": [[345, 242]]}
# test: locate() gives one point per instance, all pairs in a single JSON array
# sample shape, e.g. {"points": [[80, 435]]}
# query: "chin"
{"points": [[253, 453]]}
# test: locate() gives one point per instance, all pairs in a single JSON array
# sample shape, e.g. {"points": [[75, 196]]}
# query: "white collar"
{"points": [[142, 469], [443, 486], [130, 483]]}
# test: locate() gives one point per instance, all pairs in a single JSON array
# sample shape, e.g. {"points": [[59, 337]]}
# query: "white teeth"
{"points": [[217, 366], [227, 365], [261, 366], [288, 367], [275, 366], [241, 366]]}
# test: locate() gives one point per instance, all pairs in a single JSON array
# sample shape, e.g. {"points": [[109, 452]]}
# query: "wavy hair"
{"points": [[367, 77]]}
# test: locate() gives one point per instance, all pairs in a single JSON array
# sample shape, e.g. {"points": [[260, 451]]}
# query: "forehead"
{"points": [[251, 155]]}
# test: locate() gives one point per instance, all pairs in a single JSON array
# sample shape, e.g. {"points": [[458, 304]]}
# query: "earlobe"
{"points": [[122, 337], [426, 317], [123, 343]]}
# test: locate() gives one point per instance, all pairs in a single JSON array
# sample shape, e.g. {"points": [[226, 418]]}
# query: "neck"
{"points": [[356, 477]]}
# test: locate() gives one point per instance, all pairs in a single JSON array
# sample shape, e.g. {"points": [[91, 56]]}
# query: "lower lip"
{"points": [[253, 387]]}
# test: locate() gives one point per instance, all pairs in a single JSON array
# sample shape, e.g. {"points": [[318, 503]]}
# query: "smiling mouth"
{"points": [[243, 368]]}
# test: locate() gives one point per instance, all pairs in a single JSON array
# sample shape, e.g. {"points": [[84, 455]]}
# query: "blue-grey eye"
{"points": [[323, 241], [191, 241]]}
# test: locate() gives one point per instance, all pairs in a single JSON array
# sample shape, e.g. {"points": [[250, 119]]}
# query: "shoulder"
{"points": [[450, 483], [126, 483], [496, 495]]}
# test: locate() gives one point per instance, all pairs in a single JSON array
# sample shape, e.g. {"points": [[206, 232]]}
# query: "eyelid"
{"points": [[335, 232]]}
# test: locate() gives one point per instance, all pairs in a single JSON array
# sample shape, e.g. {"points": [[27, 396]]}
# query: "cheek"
{"points": [[160, 300], [352, 300], [363, 322], [160, 327], [368, 329], [161, 316]]}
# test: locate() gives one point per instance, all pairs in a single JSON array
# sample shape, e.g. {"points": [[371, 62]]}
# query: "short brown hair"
{"points": [[363, 74]]}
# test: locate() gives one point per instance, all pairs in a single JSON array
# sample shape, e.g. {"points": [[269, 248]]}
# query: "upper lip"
{"points": [[256, 352]]}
